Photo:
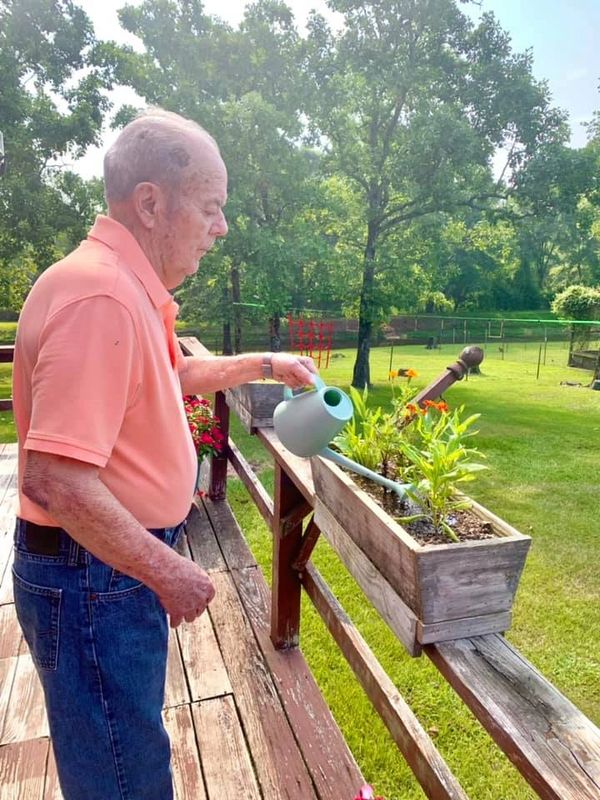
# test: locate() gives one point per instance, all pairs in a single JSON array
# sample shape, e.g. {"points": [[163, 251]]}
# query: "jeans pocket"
{"points": [[120, 582], [38, 611]]}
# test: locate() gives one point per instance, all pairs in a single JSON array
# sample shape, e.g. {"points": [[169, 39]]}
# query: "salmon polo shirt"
{"points": [[96, 377]]}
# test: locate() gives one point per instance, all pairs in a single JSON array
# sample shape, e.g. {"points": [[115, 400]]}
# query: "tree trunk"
{"points": [[236, 297], [227, 348], [361, 376], [275, 339]]}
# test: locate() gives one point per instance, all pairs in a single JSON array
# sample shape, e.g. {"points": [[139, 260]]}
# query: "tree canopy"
{"points": [[361, 159]]}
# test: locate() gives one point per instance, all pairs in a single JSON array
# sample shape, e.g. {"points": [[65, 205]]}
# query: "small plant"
{"points": [[441, 459], [372, 437]]}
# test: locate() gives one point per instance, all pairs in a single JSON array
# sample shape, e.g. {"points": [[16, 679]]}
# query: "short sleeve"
{"points": [[87, 374]]}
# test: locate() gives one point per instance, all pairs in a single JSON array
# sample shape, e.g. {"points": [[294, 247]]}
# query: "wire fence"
{"points": [[539, 341]]}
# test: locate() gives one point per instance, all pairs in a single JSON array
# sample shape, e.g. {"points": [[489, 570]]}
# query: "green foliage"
{"points": [[51, 109], [371, 437], [578, 302], [441, 460]]}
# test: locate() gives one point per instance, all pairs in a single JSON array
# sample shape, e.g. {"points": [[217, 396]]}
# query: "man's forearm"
{"points": [[206, 374], [92, 515]]}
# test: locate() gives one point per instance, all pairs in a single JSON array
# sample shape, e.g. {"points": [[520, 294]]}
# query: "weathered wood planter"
{"points": [[255, 402], [449, 591]]}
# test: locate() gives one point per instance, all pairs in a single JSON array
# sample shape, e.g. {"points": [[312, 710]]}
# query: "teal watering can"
{"points": [[305, 423]]}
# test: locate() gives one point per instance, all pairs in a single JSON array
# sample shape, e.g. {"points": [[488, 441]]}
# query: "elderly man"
{"points": [[106, 462]]}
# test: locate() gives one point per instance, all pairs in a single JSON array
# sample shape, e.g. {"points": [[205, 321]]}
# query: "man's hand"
{"points": [[294, 371], [186, 592]]}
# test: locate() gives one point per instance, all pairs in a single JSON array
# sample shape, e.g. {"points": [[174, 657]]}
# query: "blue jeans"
{"points": [[98, 639]]}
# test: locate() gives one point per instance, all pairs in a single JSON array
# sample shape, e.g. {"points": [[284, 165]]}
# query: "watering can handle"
{"points": [[288, 394]]}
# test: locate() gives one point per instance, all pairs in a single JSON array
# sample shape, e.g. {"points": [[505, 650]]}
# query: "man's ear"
{"points": [[148, 202]]}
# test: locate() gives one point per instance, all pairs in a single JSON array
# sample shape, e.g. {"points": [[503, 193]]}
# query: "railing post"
{"points": [[217, 487], [287, 535]]}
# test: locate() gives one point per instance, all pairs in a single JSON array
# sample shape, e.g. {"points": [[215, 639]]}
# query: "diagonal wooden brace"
{"points": [[292, 518], [307, 545]]}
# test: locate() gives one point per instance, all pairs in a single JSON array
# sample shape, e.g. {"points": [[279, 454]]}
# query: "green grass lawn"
{"points": [[542, 443], [8, 331]]}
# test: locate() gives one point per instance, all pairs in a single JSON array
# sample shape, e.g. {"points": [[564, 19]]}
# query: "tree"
{"points": [[51, 108], [244, 86], [410, 101]]}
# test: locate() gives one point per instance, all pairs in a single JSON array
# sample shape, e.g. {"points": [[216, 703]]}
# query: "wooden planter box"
{"points": [[448, 591], [255, 402]]}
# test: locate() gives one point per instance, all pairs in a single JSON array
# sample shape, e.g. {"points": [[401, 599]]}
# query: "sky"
{"points": [[563, 35]]}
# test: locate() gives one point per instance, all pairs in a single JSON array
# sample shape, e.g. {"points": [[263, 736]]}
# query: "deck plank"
{"points": [[221, 741], [8, 489], [279, 764], [8, 668], [10, 632], [52, 788], [6, 560], [206, 672], [26, 715], [202, 541], [22, 770], [176, 688], [327, 756], [233, 546], [187, 775]]}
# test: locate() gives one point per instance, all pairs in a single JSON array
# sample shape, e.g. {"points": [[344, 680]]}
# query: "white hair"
{"points": [[154, 147]]}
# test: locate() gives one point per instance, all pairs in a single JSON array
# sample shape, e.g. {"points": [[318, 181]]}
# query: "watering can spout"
{"points": [[399, 488]]}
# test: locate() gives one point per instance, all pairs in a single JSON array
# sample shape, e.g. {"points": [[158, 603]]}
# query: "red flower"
{"points": [[207, 438]]}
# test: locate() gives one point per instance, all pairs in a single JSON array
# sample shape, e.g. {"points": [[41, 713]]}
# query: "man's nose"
{"points": [[220, 227]]}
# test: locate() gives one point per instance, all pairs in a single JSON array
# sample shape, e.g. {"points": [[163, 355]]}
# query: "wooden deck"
{"points": [[245, 720]]}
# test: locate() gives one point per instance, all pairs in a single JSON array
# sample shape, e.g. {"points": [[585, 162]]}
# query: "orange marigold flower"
{"points": [[430, 404], [411, 408], [442, 407], [393, 373], [411, 373]]}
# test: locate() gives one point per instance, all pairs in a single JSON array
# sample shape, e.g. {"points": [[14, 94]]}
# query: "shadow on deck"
{"points": [[245, 720]]}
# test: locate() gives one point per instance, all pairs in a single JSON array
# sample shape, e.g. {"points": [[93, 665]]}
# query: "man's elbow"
{"points": [[36, 488]]}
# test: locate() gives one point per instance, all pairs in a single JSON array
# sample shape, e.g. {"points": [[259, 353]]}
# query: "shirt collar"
{"points": [[118, 238]]}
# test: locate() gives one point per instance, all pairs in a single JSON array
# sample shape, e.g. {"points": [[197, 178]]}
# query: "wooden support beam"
{"points": [[285, 607], [218, 464]]}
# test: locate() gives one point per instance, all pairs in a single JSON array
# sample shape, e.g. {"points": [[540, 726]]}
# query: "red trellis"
{"points": [[311, 338]]}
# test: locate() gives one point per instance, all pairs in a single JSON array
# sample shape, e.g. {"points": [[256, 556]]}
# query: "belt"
{"points": [[43, 540], [46, 540]]}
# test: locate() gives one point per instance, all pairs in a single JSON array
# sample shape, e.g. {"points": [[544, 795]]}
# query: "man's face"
{"points": [[194, 220]]}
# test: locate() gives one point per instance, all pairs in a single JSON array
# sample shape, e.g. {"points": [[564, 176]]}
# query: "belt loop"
{"points": [[73, 552]]}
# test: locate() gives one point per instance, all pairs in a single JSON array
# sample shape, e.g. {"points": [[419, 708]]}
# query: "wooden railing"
{"points": [[7, 352], [554, 746]]}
